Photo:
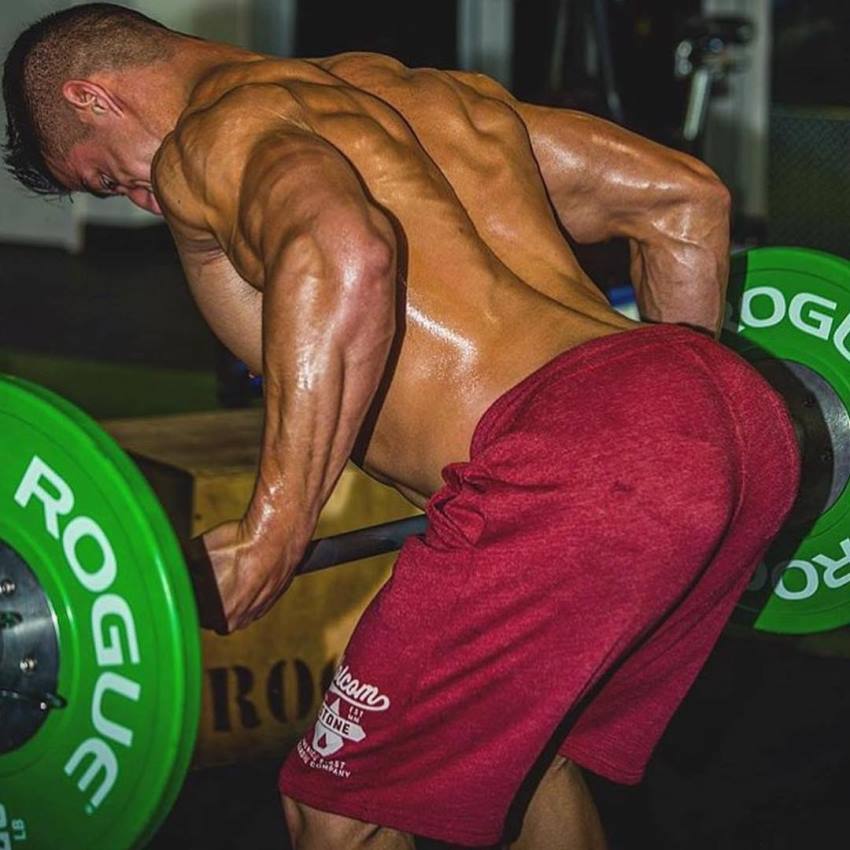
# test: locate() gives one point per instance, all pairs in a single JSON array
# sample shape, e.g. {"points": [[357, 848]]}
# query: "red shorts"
{"points": [[581, 565]]}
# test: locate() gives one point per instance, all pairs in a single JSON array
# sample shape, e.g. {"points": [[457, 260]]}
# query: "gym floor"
{"points": [[758, 756]]}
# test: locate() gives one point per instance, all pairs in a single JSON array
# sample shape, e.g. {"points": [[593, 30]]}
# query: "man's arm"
{"points": [[329, 259], [606, 182], [326, 266]]}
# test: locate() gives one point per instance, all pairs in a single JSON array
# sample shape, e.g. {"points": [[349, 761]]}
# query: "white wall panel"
{"points": [[24, 217]]}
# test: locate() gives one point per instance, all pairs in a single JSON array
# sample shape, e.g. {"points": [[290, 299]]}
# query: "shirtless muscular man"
{"points": [[385, 245]]}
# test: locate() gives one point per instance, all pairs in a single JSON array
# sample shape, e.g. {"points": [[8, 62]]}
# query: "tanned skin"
{"points": [[385, 246]]}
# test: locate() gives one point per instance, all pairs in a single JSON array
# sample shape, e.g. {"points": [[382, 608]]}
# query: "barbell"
{"points": [[100, 656]]}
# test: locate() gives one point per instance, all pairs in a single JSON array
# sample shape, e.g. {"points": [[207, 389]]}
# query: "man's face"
{"points": [[106, 164]]}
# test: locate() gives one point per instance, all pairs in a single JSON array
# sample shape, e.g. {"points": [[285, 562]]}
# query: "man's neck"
{"points": [[167, 86]]}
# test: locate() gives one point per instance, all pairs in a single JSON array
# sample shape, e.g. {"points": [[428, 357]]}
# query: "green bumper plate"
{"points": [[789, 314], [103, 771]]}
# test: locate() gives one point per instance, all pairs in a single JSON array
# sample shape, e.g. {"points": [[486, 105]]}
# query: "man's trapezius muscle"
{"points": [[443, 166]]}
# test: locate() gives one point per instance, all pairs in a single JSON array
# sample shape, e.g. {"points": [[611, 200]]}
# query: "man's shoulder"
{"points": [[231, 86], [200, 163], [226, 97], [172, 187], [226, 113], [237, 105], [345, 66]]}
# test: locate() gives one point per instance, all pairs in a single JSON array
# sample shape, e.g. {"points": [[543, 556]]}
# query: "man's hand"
{"points": [[249, 578]]}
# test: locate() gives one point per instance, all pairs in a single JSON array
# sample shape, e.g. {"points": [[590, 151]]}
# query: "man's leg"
{"points": [[311, 829], [561, 814]]}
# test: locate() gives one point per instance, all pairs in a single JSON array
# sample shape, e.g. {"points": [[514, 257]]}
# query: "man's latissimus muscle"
{"points": [[482, 147], [469, 326]]}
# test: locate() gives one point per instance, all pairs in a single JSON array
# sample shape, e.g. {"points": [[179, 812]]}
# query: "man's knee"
{"points": [[311, 828]]}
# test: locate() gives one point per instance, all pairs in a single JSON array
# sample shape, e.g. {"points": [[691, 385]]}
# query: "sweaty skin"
{"points": [[384, 245]]}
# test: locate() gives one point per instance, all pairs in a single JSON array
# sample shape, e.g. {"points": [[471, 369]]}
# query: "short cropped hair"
{"points": [[69, 44]]}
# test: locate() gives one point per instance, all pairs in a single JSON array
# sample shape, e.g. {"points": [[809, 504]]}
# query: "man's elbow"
{"points": [[716, 198], [350, 256], [704, 189], [370, 280], [375, 262], [697, 211], [371, 256]]}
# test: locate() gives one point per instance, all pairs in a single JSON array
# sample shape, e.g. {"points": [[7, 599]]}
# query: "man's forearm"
{"points": [[680, 268]]}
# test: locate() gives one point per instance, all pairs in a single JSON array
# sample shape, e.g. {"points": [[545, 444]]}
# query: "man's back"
{"points": [[489, 289]]}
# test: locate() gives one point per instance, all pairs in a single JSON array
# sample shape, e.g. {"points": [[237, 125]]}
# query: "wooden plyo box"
{"points": [[261, 686]]}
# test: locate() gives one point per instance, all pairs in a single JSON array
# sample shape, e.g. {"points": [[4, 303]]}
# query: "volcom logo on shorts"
{"points": [[340, 716]]}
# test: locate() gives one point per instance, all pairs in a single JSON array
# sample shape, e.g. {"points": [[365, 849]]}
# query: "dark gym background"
{"points": [[97, 309]]}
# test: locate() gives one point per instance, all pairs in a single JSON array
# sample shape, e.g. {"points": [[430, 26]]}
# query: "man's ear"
{"points": [[91, 99]]}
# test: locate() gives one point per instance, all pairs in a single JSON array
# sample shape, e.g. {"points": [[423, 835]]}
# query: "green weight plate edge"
{"points": [[792, 270], [147, 797]]}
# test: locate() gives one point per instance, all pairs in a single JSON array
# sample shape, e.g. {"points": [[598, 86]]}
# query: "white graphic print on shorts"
{"points": [[341, 715]]}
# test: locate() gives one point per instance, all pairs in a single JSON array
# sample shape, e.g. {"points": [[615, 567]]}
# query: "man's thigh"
{"points": [[548, 559], [313, 829]]}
